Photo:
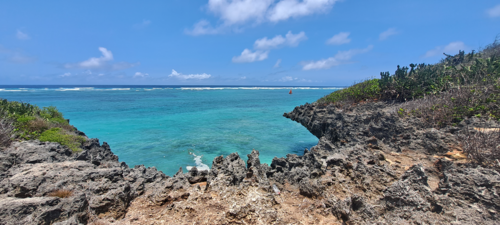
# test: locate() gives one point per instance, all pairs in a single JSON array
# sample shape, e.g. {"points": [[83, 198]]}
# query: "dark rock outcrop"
{"points": [[294, 168], [411, 190], [371, 124], [226, 172], [35, 174], [353, 149]]}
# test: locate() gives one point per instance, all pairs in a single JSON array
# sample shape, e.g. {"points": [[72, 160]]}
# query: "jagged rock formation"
{"points": [[369, 167], [96, 183], [356, 144]]}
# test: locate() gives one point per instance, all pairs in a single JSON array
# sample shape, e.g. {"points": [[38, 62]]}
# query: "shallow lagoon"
{"points": [[172, 127]]}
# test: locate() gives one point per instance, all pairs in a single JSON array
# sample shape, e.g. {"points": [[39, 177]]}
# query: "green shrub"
{"points": [[24, 119], [18, 108], [453, 72], [50, 112], [52, 115], [366, 90], [57, 135], [458, 87], [28, 122], [22, 124]]}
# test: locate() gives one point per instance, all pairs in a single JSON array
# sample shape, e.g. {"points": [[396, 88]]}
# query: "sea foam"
{"points": [[199, 164]]}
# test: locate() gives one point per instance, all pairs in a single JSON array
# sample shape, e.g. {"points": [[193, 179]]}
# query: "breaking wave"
{"points": [[199, 164]]}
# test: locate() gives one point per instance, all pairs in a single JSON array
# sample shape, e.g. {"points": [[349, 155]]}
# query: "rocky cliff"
{"points": [[46, 183], [369, 167]]}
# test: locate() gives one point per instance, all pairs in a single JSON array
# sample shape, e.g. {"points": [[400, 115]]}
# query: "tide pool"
{"points": [[172, 127]]}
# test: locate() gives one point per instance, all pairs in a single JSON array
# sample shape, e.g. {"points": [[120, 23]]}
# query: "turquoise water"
{"points": [[172, 127]]}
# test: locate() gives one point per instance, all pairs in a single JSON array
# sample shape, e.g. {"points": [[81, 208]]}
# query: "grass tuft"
{"points": [[58, 135]]}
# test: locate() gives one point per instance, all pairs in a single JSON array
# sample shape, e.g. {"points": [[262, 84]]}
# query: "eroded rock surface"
{"points": [[96, 184], [369, 167]]}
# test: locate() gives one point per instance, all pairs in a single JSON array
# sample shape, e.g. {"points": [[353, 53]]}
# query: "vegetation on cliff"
{"points": [[23, 121], [443, 94], [458, 87]]}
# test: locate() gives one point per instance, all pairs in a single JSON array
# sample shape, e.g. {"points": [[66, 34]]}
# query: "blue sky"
{"points": [[232, 42]]}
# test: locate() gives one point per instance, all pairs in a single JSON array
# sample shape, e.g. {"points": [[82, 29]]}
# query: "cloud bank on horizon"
{"points": [[233, 42], [180, 76]]}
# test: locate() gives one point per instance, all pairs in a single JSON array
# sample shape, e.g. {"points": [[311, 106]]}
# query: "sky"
{"points": [[232, 42]]}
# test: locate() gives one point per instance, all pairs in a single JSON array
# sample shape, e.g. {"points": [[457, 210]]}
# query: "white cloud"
{"points": [[265, 43], [101, 62], [234, 13], [249, 56], [177, 75], [22, 36], [263, 46], [139, 74], [293, 40], [341, 57], [451, 48], [66, 75], [243, 78], [287, 79], [286, 9], [98, 62], [494, 12], [339, 39], [389, 32], [277, 65], [143, 24], [239, 11], [203, 27], [290, 39]]}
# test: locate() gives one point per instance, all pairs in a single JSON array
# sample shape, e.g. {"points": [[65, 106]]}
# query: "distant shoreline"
{"points": [[15, 88], [163, 86]]}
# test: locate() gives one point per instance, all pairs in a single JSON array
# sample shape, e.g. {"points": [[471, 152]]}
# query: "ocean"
{"points": [[172, 127]]}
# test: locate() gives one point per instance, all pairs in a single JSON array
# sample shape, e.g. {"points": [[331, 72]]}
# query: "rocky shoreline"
{"points": [[369, 167]]}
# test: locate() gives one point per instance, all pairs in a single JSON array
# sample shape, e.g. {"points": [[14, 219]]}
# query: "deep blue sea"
{"points": [[171, 126]]}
